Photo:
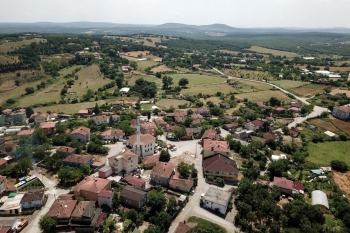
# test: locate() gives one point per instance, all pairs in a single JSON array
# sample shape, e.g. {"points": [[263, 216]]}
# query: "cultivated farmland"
{"points": [[262, 96], [342, 125], [324, 124], [310, 89], [167, 103], [273, 52], [289, 84]]}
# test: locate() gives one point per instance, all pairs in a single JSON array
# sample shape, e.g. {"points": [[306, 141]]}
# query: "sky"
{"points": [[235, 13]]}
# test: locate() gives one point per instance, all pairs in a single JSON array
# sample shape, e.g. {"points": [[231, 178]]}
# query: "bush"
{"points": [[339, 166]]}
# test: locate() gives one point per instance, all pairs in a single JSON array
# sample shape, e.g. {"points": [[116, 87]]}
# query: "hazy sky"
{"points": [[236, 13]]}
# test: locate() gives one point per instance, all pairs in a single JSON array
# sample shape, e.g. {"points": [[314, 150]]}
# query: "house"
{"points": [[342, 112], [125, 162], [133, 197], [25, 132], [185, 227], [147, 144], [112, 134], [159, 121], [217, 200], [8, 224], [182, 185], [278, 157], [61, 211], [254, 125], [137, 183], [81, 134], [243, 134], [257, 139], [18, 116], [162, 173], [3, 163], [105, 172], [197, 118], [33, 199], [204, 111], [294, 109], [278, 110], [65, 151], [84, 216], [231, 118], [90, 187], [189, 134], [293, 133], [75, 160], [148, 127], [83, 113], [288, 186], [220, 166], [39, 118], [210, 134], [125, 68], [230, 127], [270, 136], [3, 184], [48, 127], [118, 104], [99, 120], [105, 197], [115, 118], [211, 147], [13, 204], [224, 105], [319, 198], [150, 161]]}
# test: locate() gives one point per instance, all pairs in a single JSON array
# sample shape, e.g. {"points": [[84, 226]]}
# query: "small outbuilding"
{"points": [[319, 198]]}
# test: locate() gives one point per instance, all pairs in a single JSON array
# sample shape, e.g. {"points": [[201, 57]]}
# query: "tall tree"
{"points": [[167, 82], [47, 224], [183, 82]]}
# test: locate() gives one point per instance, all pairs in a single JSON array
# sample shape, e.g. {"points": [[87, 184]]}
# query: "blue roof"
{"points": [[316, 171]]}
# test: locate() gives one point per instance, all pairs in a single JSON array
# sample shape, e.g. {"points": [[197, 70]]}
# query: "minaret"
{"points": [[138, 147]]}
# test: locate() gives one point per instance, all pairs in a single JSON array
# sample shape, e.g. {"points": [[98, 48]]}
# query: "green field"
{"points": [[210, 89], [10, 46], [148, 78], [321, 154], [262, 96], [197, 79], [167, 103], [289, 84]]}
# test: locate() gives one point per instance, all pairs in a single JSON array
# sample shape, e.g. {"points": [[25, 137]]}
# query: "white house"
{"points": [[99, 120], [12, 205], [105, 197], [147, 144], [125, 90], [126, 161], [342, 112], [81, 134], [32, 199], [113, 134], [242, 134], [41, 118], [278, 157], [217, 199]]}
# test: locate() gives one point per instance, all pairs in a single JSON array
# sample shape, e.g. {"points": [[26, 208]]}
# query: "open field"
{"points": [[150, 42], [137, 53], [339, 91], [273, 52], [321, 154], [262, 96], [8, 59], [72, 108], [324, 124], [289, 84], [343, 181], [167, 103], [10, 46], [161, 68], [342, 125], [310, 89], [215, 100], [149, 78], [210, 89], [250, 74], [197, 79], [331, 68], [142, 65]]}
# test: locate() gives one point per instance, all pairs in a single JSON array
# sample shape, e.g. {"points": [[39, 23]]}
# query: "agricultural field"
{"points": [[274, 52], [8, 59], [167, 103], [331, 68], [262, 96], [197, 79], [342, 179], [161, 68], [210, 89], [10, 46], [214, 99], [289, 84], [310, 89], [327, 125], [342, 125], [142, 65], [137, 53], [321, 154], [340, 91]]}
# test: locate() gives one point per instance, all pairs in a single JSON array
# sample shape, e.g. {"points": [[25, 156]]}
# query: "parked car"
{"points": [[23, 224]]}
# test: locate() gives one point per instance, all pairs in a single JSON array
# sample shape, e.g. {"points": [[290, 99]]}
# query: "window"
{"points": [[217, 172], [87, 194]]}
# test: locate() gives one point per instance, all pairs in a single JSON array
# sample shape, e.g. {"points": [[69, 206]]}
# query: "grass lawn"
{"points": [[161, 68], [167, 103], [273, 52], [142, 65], [263, 96], [254, 85], [10, 46], [210, 89], [289, 84], [197, 79], [215, 100], [321, 154]]}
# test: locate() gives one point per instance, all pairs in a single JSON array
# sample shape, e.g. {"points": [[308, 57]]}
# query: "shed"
{"points": [[316, 172], [319, 198]]}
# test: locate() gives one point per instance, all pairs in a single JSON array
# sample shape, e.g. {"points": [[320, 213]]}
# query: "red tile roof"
{"points": [[145, 139], [181, 183], [91, 184], [81, 130], [219, 163], [47, 125], [287, 184], [33, 195], [65, 149], [211, 134], [2, 161], [83, 111], [113, 132], [134, 181], [270, 136], [25, 132], [132, 193], [62, 208], [151, 159], [343, 108], [221, 146], [75, 158], [257, 122], [106, 193], [163, 169]]}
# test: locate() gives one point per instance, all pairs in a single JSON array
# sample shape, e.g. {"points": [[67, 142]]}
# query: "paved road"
{"points": [[316, 111], [193, 208], [53, 192]]}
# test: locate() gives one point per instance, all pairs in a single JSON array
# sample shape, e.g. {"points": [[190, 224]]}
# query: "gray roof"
{"points": [[105, 169], [218, 196], [8, 221], [319, 198]]}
